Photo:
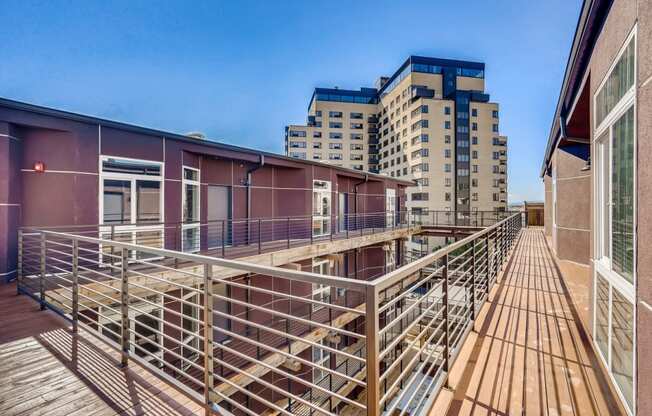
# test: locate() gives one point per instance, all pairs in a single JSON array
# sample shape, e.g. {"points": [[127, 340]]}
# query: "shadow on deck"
{"points": [[530, 354], [46, 369]]}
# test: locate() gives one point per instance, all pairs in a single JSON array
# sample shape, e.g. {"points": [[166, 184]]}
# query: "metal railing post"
{"points": [[260, 241], [112, 260], [446, 318], [124, 306], [473, 279], [41, 280], [223, 239], [19, 271], [75, 285], [372, 327], [488, 262], [208, 338]]}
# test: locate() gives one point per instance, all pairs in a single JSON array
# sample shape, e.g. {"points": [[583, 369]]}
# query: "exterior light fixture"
{"points": [[39, 167]]}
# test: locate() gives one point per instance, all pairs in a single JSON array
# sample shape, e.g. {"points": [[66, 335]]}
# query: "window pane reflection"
{"points": [[622, 197], [117, 202], [602, 316], [622, 345], [148, 201]]}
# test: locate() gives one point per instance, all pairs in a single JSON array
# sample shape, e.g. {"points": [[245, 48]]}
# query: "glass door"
{"points": [[131, 203], [321, 208], [390, 207], [190, 229]]}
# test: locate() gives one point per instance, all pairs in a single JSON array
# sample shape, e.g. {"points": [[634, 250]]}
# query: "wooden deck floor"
{"points": [[529, 355], [46, 370]]}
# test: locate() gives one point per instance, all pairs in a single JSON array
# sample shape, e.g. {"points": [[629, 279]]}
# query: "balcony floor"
{"points": [[46, 369], [530, 354]]}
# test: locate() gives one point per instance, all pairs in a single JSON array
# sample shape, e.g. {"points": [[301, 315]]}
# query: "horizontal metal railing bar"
{"points": [[397, 360], [187, 390], [286, 335], [272, 387], [289, 355], [166, 281], [288, 296], [164, 295], [393, 277], [414, 371], [164, 349], [456, 270], [490, 246], [95, 281], [418, 387], [410, 366], [165, 363], [290, 317], [248, 393], [308, 277], [176, 270], [252, 220], [398, 338], [290, 376], [410, 290], [180, 314], [408, 310]]}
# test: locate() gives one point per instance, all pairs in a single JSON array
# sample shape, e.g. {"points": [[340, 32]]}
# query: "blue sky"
{"points": [[240, 71]]}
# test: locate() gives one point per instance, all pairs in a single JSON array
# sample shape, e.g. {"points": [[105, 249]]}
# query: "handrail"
{"points": [[392, 277], [308, 277], [423, 309]]}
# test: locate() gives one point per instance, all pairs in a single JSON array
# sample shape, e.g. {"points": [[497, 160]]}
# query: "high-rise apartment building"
{"points": [[431, 121]]}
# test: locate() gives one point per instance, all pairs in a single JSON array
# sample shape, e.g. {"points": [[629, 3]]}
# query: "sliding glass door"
{"points": [[614, 297], [190, 240], [131, 202]]}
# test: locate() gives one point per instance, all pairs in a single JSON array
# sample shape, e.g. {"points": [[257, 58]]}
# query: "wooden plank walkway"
{"points": [[530, 354], [47, 370]]}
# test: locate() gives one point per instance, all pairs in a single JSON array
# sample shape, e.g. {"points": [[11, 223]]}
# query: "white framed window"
{"points": [[321, 208], [131, 201], [190, 209], [390, 207], [320, 292], [614, 332]]}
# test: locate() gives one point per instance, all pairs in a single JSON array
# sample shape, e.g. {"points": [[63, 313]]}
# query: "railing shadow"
{"points": [[123, 390], [531, 354]]}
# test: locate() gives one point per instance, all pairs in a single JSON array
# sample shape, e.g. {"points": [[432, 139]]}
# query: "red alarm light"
{"points": [[39, 167]]}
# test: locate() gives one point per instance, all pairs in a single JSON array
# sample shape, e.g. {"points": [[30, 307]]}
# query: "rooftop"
{"points": [[512, 340]]}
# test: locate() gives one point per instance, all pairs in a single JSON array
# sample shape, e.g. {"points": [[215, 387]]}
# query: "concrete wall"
{"points": [[547, 205], [571, 229]]}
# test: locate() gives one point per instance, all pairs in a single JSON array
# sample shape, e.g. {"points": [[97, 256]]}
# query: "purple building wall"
{"points": [[70, 145]]}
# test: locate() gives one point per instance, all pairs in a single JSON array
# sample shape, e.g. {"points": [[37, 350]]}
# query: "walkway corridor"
{"points": [[529, 355], [47, 370]]}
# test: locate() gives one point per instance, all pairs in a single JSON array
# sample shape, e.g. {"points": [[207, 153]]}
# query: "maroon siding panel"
{"points": [[67, 151], [216, 172], [126, 144], [56, 199], [280, 189]]}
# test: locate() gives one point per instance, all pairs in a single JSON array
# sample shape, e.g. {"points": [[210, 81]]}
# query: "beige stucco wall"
{"points": [[571, 226], [397, 158], [547, 206]]}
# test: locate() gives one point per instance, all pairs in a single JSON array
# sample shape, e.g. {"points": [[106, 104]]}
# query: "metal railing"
{"points": [[251, 339], [233, 238]]}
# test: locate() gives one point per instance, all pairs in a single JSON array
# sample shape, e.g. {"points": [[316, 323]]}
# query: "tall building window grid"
{"points": [[400, 114]]}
